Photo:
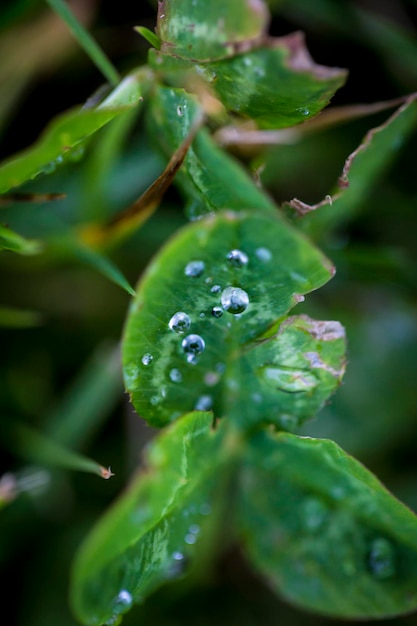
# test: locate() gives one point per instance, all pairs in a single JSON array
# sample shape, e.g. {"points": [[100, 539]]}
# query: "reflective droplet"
{"points": [[76, 154], [237, 258], [288, 378], [190, 539], [205, 508], [178, 556], [180, 322], [194, 529], [192, 346], [204, 403], [194, 268], [314, 513], [211, 379], [147, 358], [49, 168], [216, 289], [303, 111], [124, 599], [217, 311], [155, 400], [381, 559], [234, 300], [202, 315], [180, 111], [175, 375], [263, 254]]}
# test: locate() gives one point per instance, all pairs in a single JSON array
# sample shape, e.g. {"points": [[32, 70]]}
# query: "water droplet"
{"points": [[217, 311], [303, 111], [315, 514], [155, 400], [237, 258], [289, 379], [381, 559], [190, 539], [263, 254], [209, 280], [234, 300], [180, 111], [59, 159], [180, 322], [114, 621], [194, 529], [205, 508], [124, 599], [194, 268], [49, 168], [178, 556], [192, 346], [202, 315], [211, 379], [216, 289], [175, 375], [147, 358], [76, 154], [204, 403]]}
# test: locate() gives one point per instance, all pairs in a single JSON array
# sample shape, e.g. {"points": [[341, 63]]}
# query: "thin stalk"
{"points": [[85, 40]]}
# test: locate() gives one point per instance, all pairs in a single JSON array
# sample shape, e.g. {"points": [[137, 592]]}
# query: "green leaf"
{"points": [[209, 178], [362, 169], [324, 531], [155, 528], [277, 84], [149, 36], [9, 240], [68, 132], [208, 31], [190, 344]]}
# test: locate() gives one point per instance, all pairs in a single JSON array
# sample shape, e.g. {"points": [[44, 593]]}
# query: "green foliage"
{"points": [[216, 346]]}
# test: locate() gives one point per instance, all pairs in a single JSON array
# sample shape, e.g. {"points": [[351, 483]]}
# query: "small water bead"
{"points": [[202, 315], [175, 375], [180, 111], [194, 529], [237, 258], [180, 322], [190, 539], [217, 311], [193, 345], [211, 379], [216, 289], [234, 300], [381, 559], [194, 269], [263, 254], [147, 358], [204, 403], [178, 556]]}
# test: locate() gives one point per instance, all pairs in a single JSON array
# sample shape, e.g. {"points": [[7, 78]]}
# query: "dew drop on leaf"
{"points": [[216, 289], [204, 403], [194, 269], [178, 556], [147, 358], [180, 111], [263, 254], [234, 300], [237, 258], [217, 311], [180, 322], [190, 539], [175, 375], [193, 345], [314, 513], [381, 559]]}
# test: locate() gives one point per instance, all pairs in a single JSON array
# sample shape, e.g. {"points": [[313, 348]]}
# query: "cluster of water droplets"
{"points": [[231, 299]]}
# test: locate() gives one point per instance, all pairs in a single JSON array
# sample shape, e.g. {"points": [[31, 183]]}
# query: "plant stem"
{"points": [[85, 40]]}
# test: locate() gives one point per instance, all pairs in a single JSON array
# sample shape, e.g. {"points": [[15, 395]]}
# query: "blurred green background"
{"points": [[60, 371]]}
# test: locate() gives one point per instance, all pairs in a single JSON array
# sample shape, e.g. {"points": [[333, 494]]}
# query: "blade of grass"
{"points": [[85, 40]]}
